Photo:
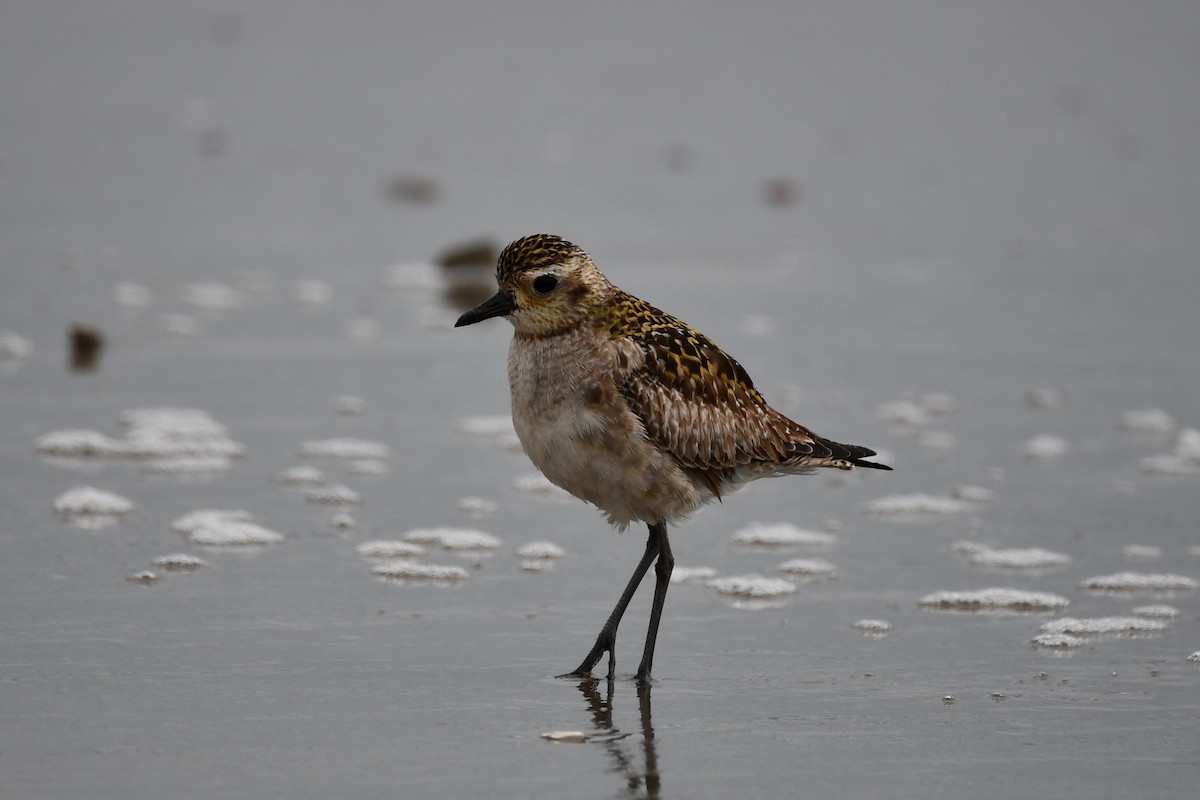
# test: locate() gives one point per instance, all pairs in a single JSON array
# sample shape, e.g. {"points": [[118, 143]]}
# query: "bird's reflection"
{"points": [[640, 780]]}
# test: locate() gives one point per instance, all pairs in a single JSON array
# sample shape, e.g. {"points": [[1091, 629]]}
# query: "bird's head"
{"points": [[547, 285]]}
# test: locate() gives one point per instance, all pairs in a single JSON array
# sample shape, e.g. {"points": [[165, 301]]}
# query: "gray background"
{"points": [[987, 198]]}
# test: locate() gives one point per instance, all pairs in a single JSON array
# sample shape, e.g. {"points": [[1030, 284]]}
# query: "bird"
{"points": [[632, 410]]}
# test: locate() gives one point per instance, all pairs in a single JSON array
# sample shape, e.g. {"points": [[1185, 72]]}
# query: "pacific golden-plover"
{"points": [[633, 411]]}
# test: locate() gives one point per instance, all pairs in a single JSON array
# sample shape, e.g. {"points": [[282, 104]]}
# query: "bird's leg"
{"points": [[607, 640], [662, 581]]}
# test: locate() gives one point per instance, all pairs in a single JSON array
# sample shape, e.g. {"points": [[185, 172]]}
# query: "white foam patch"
{"points": [[1141, 552], [781, 534], [540, 550], [224, 528], [901, 412], [212, 296], [996, 598], [350, 406], [343, 521], [410, 276], [154, 433], [477, 506], [1140, 582], [301, 476], [752, 586], [1058, 640], [973, 494], [343, 447], [1147, 420], [1101, 626], [454, 538], [1016, 558], [915, 504], [362, 329], [876, 627], [1156, 612], [180, 562], [179, 324], [369, 467], [1194, 657], [1044, 398], [1188, 444], [234, 534], [1168, 464], [809, 567], [14, 347], [692, 574], [87, 501], [208, 516], [410, 571], [336, 495], [389, 548], [187, 465], [312, 292], [1047, 446], [1184, 460], [131, 295], [145, 577]]}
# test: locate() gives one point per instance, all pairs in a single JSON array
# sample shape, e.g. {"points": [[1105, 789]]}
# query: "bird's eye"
{"points": [[544, 284]]}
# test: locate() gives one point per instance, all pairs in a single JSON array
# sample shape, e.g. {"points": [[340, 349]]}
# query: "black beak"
{"points": [[498, 305]]}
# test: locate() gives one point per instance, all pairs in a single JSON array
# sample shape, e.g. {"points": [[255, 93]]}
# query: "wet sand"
{"points": [[1019, 241]]}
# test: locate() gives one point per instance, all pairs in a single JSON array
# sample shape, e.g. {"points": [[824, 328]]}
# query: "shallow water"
{"points": [[234, 164]]}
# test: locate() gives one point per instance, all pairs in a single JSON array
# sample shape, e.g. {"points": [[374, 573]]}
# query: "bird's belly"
{"points": [[602, 456]]}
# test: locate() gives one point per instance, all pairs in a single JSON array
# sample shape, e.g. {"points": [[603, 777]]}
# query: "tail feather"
{"points": [[853, 453]]}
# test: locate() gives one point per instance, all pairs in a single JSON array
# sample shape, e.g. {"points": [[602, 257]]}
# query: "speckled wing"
{"points": [[699, 404]]}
